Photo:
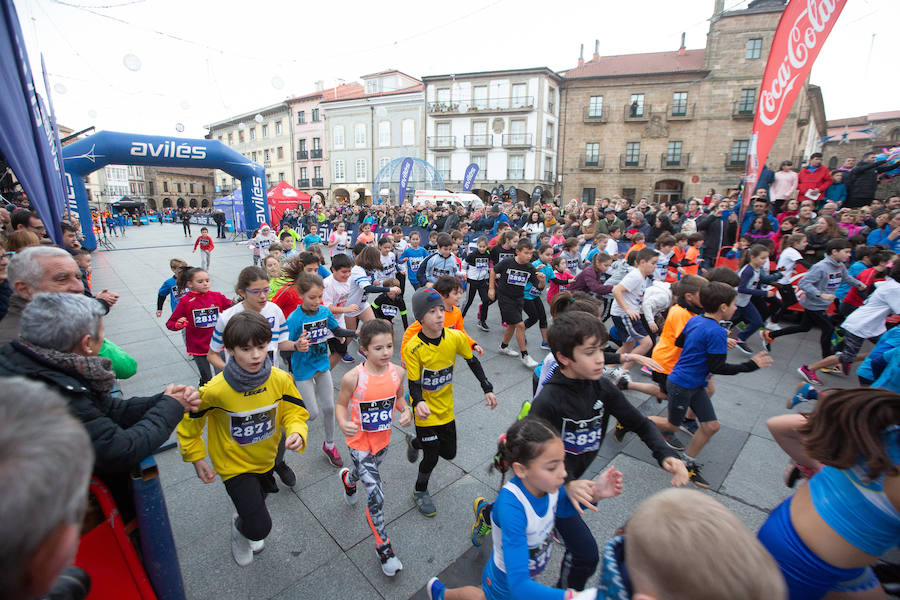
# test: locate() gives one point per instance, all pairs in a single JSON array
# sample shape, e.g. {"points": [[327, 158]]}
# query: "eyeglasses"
{"points": [[258, 292], [9, 254]]}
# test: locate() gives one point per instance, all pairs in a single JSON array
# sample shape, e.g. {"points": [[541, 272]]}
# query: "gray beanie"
{"points": [[423, 300]]}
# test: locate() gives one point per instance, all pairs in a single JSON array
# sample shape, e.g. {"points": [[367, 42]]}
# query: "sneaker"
{"points": [[545, 346], [809, 376], [773, 326], [557, 539], [690, 426], [767, 339], [412, 453], [347, 358], [672, 441], [435, 589], [240, 546], [390, 564], [845, 367], [744, 347], [482, 525], [507, 351], [483, 326], [255, 546], [334, 457], [350, 496], [647, 371], [835, 370], [619, 433], [804, 394], [529, 362], [362, 354], [267, 482], [696, 478], [286, 474], [792, 474], [424, 503]]}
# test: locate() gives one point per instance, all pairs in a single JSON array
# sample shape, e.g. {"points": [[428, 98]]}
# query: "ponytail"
{"points": [[569, 301], [522, 443], [183, 276]]}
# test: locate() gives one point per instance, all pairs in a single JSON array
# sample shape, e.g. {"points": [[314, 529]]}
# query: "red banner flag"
{"points": [[801, 33]]}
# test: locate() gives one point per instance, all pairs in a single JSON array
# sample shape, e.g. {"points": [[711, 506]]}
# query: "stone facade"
{"points": [[177, 187]]}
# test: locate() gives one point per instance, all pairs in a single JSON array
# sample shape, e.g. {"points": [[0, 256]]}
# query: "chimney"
{"points": [[719, 8], [320, 85], [581, 57], [596, 51], [682, 51]]}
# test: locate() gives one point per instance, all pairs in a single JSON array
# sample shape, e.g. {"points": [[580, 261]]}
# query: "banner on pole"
{"points": [[405, 173], [469, 178]]}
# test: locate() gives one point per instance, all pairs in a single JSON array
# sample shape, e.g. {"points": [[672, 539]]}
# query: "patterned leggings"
{"points": [[365, 469]]}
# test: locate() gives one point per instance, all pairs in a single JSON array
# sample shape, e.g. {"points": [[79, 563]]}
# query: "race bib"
{"points": [[205, 317], [539, 557], [389, 310], [572, 264], [432, 381], [502, 256], [516, 277], [581, 436], [440, 272], [834, 281], [340, 248], [415, 262], [253, 426], [376, 415], [316, 331], [482, 263]]}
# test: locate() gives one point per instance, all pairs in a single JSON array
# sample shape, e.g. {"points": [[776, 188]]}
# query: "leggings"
{"points": [[534, 308], [808, 319], [401, 277], [365, 469], [581, 557], [480, 287], [318, 397], [788, 298], [187, 227], [246, 492], [750, 315], [438, 441], [204, 367], [204, 259], [483, 308]]}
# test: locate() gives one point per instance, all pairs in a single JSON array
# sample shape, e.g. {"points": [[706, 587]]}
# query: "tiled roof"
{"points": [[336, 93], [387, 72], [640, 64], [864, 119], [362, 94]]}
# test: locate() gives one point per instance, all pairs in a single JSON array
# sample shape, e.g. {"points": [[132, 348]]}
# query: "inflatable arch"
{"points": [[112, 148]]}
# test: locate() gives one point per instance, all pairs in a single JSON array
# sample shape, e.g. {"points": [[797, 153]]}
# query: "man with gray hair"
{"points": [[45, 465]]}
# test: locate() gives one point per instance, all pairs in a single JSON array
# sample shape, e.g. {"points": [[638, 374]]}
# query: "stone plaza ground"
{"points": [[321, 548]]}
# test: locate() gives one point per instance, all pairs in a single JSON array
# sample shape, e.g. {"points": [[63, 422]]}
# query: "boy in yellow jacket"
{"points": [[248, 406]]}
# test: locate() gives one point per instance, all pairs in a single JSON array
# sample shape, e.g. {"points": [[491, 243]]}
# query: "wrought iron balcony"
{"points": [[303, 183], [594, 116], [674, 161], [632, 161], [681, 112], [442, 142], [591, 162], [515, 173], [318, 182], [315, 153], [302, 154], [517, 140], [483, 140], [638, 112]]}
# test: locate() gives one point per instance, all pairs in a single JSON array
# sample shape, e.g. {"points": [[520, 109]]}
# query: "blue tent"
{"points": [[231, 205]]}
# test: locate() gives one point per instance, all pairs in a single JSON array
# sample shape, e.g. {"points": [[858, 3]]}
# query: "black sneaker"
{"points": [[267, 483], [619, 433], [672, 441], [690, 426], [424, 503], [412, 454], [286, 474], [696, 477], [744, 347], [483, 326]]}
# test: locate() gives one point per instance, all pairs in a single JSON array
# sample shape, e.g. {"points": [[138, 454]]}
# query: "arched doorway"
{"points": [[363, 197], [193, 203], [151, 203], [341, 196], [668, 190], [204, 203], [180, 203], [167, 203]]}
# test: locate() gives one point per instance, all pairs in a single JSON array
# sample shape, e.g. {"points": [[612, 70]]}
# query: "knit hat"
{"points": [[423, 300]]}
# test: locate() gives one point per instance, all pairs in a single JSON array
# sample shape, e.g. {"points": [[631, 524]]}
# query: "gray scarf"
{"points": [[242, 381]]}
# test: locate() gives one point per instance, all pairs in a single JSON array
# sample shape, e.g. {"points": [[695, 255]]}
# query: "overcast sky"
{"points": [[146, 66]]}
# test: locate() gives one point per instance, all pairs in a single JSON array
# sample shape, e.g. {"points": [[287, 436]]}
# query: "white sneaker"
{"points": [[240, 546], [258, 546], [350, 495], [508, 351], [529, 362], [390, 564]]}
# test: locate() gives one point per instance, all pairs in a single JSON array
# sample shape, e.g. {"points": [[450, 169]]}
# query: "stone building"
{"points": [[178, 187], [854, 136], [668, 125]]}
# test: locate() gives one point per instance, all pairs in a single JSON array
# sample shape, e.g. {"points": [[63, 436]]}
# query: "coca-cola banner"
{"points": [[801, 32]]}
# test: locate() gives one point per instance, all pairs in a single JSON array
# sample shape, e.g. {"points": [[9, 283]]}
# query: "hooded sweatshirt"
{"points": [[823, 278]]}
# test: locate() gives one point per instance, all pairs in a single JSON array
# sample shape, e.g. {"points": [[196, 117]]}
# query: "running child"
{"points": [[626, 310], [287, 298], [386, 306], [534, 304], [275, 271], [504, 249], [571, 255], [507, 284], [312, 237], [339, 240], [169, 288], [258, 404], [880, 263], [439, 263], [450, 290], [430, 359], [562, 278], [369, 395], [665, 246], [206, 247], [337, 298], [399, 246], [478, 268], [412, 259], [197, 313], [752, 262], [790, 257], [388, 268], [260, 243], [362, 283]]}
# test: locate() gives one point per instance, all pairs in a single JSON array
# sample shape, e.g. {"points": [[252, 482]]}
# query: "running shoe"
{"points": [[529, 362], [482, 525], [744, 347], [362, 353], [435, 589], [672, 441], [240, 546], [412, 454], [809, 376], [286, 474], [334, 457], [347, 358], [619, 433], [390, 564], [690, 426], [424, 503], [767, 339], [545, 346], [834, 370], [350, 496], [507, 351], [804, 394], [845, 367], [483, 326], [696, 478], [618, 375], [255, 546], [647, 371]]}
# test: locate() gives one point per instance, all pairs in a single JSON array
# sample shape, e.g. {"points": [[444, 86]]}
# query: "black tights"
{"points": [[438, 441], [479, 287], [246, 492], [534, 308], [808, 319]]}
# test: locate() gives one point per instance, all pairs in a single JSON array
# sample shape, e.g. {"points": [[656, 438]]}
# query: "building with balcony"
{"points": [[178, 187], [310, 159], [506, 122], [668, 125], [366, 130]]}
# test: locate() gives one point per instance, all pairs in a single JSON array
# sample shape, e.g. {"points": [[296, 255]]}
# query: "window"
{"points": [[595, 107], [267, 156], [360, 169], [516, 168], [748, 99], [303, 172], [339, 170], [301, 117], [588, 195], [317, 144], [191, 186], [551, 100], [754, 48], [479, 132], [738, 154], [265, 131], [480, 97], [632, 154], [548, 169], [384, 133], [517, 126], [636, 107], [252, 133], [178, 187], [337, 135], [518, 95], [150, 187], [679, 104], [371, 87], [302, 144], [277, 127], [673, 154], [315, 115], [442, 163], [280, 152], [317, 172], [203, 188], [408, 132], [833, 163], [548, 142], [253, 156], [442, 131], [281, 176], [383, 162], [592, 155], [359, 135], [230, 138], [443, 95]]}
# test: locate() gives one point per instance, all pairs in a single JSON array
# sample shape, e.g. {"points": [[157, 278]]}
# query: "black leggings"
{"points": [[401, 277], [808, 319], [246, 492], [534, 308], [483, 308], [480, 287], [582, 555], [438, 441], [788, 299], [187, 227], [204, 367]]}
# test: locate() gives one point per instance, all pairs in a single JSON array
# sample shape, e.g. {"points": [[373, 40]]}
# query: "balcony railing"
{"points": [[592, 162], [632, 161], [303, 183], [302, 154], [468, 105], [595, 116], [735, 162], [674, 161], [517, 140], [483, 140], [548, 143], [637, 112], [267, 163], [681, 112], [742, 110], [482, 175], [318, 182], [548, 176], [315, 153], [515, 173], [445, 175], [442, 142]]}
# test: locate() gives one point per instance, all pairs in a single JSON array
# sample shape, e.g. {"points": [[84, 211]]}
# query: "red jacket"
{"points": [[205, 243], [819, 179], [201, 312]]}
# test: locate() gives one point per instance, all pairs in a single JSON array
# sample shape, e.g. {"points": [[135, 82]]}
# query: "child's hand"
{"points": [[293, 442], [490, 400], [478, 349], [762, 359], [187, 396], [422, 411], [679, 471], [205, 472], [491, 293], [731, 343], [302, 344], [653, 327], [581, 493], [158, 314], [405, 419], [633, 314], [394, 292], [182, 322], [608, 485], [645, 361], [348, 428]]}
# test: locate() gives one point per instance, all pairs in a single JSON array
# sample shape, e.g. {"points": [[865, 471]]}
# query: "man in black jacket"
{"points": [[719, 228], [219, 219], [864, 181]]}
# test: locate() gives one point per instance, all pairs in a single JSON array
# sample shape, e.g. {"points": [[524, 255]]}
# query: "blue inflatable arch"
{"points": [[112, 148]]}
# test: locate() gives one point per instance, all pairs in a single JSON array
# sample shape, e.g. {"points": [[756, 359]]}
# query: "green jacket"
{"points": [[123, 365]]}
